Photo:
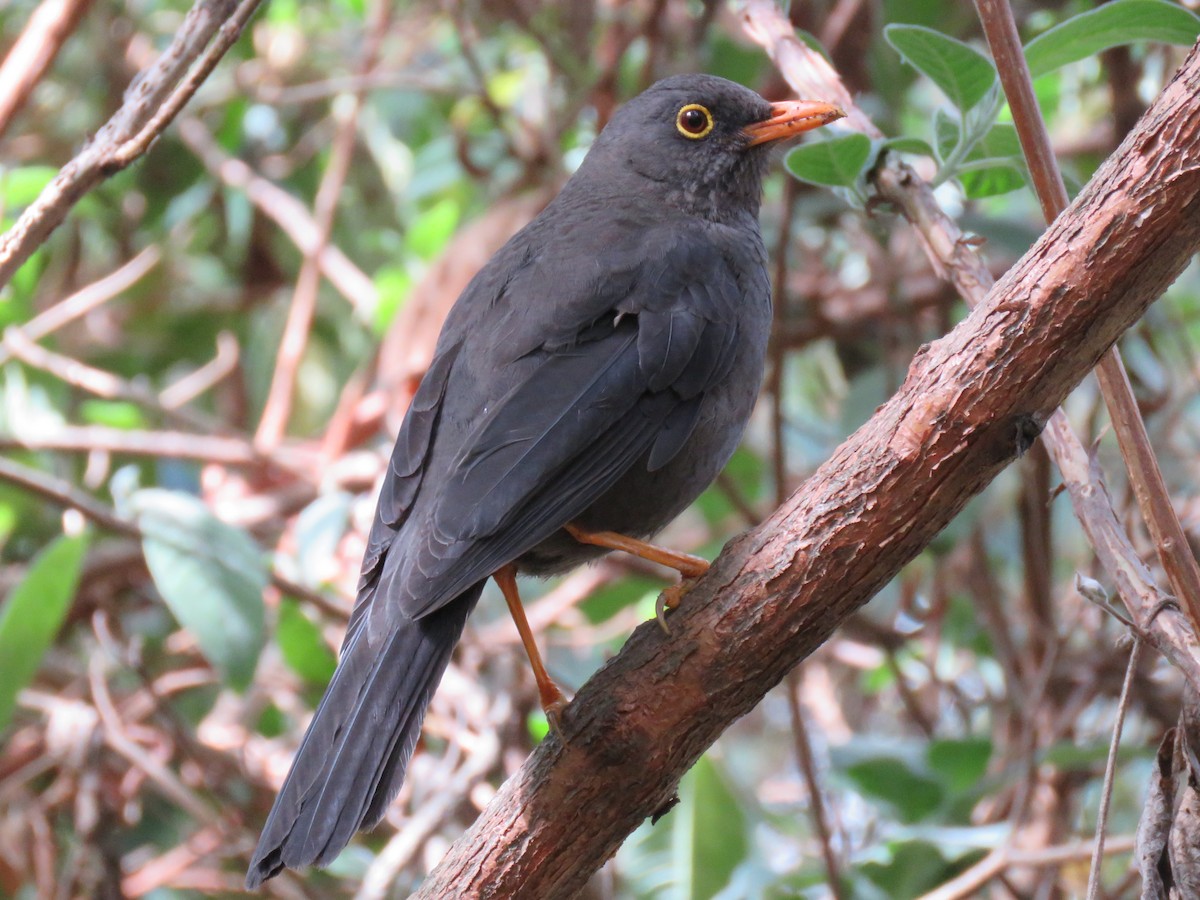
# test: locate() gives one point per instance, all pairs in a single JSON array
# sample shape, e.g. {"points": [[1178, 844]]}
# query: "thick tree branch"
{"points": [[971, 402]]}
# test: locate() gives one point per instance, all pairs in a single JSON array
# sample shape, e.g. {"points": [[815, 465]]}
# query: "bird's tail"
{"points": [[352, 760]]}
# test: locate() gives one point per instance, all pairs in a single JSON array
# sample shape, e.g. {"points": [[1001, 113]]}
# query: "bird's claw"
{"points": [[553, 707], [669, 600]]}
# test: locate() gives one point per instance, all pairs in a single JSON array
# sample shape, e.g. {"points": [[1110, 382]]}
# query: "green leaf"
{"points": [[914, 868], [538, 725], [1110, 25], [946, 133], [303, 649], [357, 8], [708, 837], [606, 601], [913, 795], [833, 163], [1069, 757], [960, 763], [995, 164], [433, 228], [20, 187], [320, 528], [33, 613], [1000, 141], [963, 73], [210, 574], [272, 723], [747, 472], [393, 284], [912, 145], [113, 413], [285, 12], [8, 521], [991, 181], [740, 62]]}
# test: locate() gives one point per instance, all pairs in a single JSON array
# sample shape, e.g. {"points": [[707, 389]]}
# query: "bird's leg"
{"points": [[552, 698], [689, 567]]}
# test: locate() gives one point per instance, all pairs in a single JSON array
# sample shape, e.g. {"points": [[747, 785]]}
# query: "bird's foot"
{"points": [[689, 567], [554, 701], [671, 598]]}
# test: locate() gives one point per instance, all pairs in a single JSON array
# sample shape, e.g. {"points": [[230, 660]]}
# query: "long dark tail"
{"points": [[352, 760]]}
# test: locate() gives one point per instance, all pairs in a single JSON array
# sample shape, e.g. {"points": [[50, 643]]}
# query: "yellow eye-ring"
{"points": [[694, 121]]}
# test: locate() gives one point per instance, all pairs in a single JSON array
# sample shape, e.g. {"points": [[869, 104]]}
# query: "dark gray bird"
{"points": [[596, 375]]}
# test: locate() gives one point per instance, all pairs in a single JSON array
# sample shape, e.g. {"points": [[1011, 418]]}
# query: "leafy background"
{"points": [[160, 654]]}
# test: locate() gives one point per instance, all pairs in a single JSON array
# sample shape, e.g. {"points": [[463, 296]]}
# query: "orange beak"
{"points": [[790, 118]]}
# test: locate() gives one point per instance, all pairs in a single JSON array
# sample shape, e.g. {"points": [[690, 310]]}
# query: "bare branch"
{"points": [[273, 424], [63, 493], [292, 216], [88, 298], [25, 64], [151, 102]]}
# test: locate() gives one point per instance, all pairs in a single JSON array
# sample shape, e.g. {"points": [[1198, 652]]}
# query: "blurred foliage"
{"points": [[153, 688]]}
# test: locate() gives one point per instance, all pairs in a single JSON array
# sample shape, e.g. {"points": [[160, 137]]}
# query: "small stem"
{"points": [[1110, 769], [968, 137], [816, 803]]}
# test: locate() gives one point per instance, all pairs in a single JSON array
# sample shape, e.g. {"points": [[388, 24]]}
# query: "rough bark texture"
{"points": [[971, 403]]}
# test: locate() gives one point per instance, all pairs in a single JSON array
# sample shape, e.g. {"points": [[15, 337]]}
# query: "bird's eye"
{"points": [[694, 121]]}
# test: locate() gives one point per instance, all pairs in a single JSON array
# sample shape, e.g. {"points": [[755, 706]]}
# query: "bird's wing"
{"points": [[403, 476], [628, 391]]}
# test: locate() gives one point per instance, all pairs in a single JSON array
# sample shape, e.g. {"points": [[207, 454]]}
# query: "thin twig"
{"points": [[151, 102], [30, 57], [278, 407], [162, 870], [203, 379], [839, 19], [808, 768], [776, 349], [88, 298], [98, 382], [431, 82], [293, 217], [208, 448], [63, 493], [968, 882], [116, 737], [1110, 769], [467, 39]]}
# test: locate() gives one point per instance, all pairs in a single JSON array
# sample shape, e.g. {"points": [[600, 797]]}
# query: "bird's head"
{"points": [[700, 142]]}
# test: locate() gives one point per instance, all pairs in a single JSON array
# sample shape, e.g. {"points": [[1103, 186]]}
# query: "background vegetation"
{"points": [[203, 366]]}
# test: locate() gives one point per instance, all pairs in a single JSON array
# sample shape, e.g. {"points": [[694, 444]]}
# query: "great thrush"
{"points": [[593, 378]]}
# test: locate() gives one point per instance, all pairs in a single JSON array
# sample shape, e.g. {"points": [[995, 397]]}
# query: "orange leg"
{"points": [[553, 699], [689, 567]]}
